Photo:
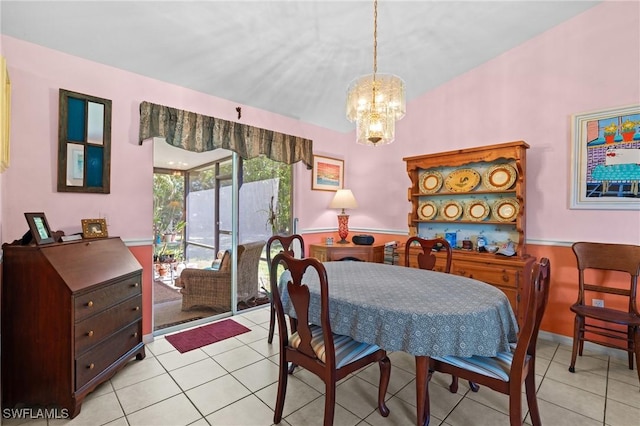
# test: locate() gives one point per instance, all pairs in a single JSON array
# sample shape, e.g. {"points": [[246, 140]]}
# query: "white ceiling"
{"points": [[294, 58]]}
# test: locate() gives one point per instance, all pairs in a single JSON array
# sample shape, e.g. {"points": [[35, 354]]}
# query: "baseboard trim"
{"points": [[591, 347]]}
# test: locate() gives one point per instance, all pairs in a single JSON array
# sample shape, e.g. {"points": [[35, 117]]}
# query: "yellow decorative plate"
{"points": [[451, 210], [506, 210], [427, 210], [430, 182], [499, 177], [476, 210], [462, 180]]}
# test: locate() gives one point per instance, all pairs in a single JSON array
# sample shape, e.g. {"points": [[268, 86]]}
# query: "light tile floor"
{"points": [[234, 382]]}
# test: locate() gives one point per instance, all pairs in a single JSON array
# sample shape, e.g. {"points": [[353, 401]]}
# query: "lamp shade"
{"points": [[343, 199]]}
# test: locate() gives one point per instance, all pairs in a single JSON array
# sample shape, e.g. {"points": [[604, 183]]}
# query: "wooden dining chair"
{"points": [[329, 356], [287, 244], [507, 371], [427, 259], [615, 328]]}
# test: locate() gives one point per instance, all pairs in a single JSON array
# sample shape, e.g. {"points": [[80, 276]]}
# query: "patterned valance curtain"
{"points": [[199, 133]]}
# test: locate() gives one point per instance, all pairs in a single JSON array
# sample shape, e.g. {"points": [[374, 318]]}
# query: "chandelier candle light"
{"points": [[376, 101], [343, 199]]}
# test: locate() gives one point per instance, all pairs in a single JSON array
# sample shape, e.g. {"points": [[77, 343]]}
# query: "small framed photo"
{"points": [[328, 174], [94, 228], [39, 228]]}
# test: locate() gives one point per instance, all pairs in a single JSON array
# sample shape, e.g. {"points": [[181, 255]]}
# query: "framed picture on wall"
{"points": [[39, 228], [605, 160], [328, 174]]}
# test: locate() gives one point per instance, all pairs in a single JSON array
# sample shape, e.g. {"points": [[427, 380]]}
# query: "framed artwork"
{"points": [[328, 174], [94, 228], [605, 159], [5, 114], [84, 143], [39, 228]]}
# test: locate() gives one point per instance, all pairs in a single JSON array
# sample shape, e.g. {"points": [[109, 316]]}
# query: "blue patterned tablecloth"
{"points": [[412, 310]]}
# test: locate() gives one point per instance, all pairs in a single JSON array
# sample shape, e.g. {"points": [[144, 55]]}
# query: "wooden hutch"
{"points": [[471, 193]]}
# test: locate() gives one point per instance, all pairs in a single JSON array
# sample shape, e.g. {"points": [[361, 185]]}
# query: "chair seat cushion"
{"points": [[347, 349], [497, 367]]}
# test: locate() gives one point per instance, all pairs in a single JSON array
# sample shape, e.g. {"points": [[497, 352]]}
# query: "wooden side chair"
{"points": [[287, 244], [619, 329], [426, 259], [507, 371], [329, 356]]}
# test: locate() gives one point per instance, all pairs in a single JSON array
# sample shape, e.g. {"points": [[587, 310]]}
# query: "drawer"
{"points": [[106, 353], [98, 300], [98, 327], [496, 275], [338, 254]]}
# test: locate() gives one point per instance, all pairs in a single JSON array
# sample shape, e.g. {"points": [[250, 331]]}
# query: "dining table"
{"points": [[424, 313]]}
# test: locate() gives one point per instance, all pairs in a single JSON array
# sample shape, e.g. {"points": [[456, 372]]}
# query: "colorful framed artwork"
{"points": [[605, 159], [5, 114], [39, 228], [94, 228], [84, 143], [328, 174]]}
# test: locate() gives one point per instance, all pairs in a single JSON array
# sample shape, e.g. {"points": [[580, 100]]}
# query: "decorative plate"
{"points": [[427, 210], [451, 210], [506, 210], [476, 210], [430, 182], [499, 177], [462, 180]]}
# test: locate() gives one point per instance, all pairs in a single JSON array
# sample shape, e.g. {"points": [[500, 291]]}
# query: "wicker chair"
{"points": [[212, 288]]}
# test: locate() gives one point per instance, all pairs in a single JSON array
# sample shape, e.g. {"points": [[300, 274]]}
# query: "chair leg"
{"points": [[577, 337], [453, 387], [515, 404], [272, 322], [385, 375], [329, 403], [282, 390], [532, 401], [630, 345], [636, 346]]}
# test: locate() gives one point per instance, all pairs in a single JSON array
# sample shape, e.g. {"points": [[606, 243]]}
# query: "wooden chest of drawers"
{"points": [[71, 318], [510, 274]]}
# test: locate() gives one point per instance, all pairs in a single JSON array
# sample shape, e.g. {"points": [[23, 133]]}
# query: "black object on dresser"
{"points": [[71, 318]]}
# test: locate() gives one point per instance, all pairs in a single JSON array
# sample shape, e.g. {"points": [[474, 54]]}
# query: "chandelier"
{"points": [[376, 101]]}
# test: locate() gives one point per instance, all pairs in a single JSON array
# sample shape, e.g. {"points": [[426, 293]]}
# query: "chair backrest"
{"points": [[426, 259], [298, 293], [286, 243], [608, 257], [538, 295], [248, 266]]}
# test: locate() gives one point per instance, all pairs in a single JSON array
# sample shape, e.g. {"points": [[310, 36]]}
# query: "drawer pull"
{"points": [[90, 333], [91, 366], [90, 303], [137, 308], [505, 278], [136, 285], [135, 334]]}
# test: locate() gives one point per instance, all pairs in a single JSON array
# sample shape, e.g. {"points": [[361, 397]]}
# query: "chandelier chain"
{"points": [[375, 39]]}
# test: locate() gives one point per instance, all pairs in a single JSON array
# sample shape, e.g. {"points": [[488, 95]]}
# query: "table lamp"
{"points": [[343, 199]]}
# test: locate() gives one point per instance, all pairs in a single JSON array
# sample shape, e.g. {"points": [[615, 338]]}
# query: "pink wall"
{"points": [[529, 93], [30, 183]]}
